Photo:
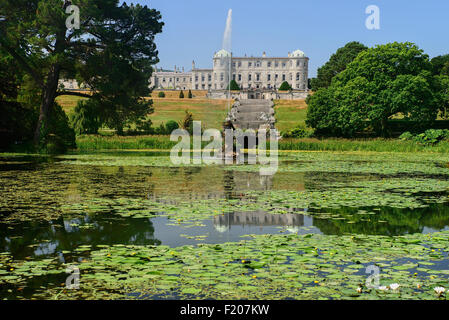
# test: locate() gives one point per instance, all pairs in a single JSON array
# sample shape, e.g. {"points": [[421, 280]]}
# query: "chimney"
{"points": [[193, 65]]}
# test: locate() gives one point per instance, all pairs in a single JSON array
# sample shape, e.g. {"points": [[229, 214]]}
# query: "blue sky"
{"points": [[194, 29]]}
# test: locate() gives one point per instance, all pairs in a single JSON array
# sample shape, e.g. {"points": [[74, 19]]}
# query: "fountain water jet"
{"points": [[227, 37]]}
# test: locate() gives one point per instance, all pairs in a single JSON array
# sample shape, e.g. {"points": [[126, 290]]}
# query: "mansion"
{"points": [[264, 74], [257, 77]]}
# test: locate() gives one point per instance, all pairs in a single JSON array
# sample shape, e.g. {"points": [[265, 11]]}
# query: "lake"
{"points": [[135, 226]]}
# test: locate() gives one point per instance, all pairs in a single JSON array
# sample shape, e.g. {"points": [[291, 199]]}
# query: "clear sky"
{"points": [[194, 28]]}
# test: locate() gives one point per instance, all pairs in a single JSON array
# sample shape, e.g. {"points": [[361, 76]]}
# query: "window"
{"points": [[258, 77], [240, 77], [269, 77], [249, 64], [258, 64], [291, 77], [283, 64], [233, 77], [196, 87], [276, 64], [269, 64], [276, 76], [297, 63], [249, 77], [297, 76], [283, 77], [240, 64], [233, 64], [202, 78], [209, 77], [221, 76], [163, 79], [196, 78]]}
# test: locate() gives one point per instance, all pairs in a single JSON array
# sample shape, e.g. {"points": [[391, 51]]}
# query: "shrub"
{"points": [[428, 138], [161, 94], [298, 132], [285, 86], [171, 126], [233, 85], [190, 95], [85, 119], [181, 95], [145, 126], [406, 136]]}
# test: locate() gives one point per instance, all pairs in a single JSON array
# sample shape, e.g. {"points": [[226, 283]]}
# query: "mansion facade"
{"points": [[251, 73]]}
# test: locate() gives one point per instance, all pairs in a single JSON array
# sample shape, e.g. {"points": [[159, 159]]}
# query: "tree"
{"points": [[86, 118], [181, 95], [233, 85], [171, 126], [112, 52], [187, 122], [190, 95], [381, 82], [285, 86], [440, 65], [161, 94], [336, 64]]}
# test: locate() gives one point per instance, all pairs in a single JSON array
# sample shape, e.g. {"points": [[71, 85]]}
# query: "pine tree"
{"points": [[181, 95], [190, 96], [285, 86]]}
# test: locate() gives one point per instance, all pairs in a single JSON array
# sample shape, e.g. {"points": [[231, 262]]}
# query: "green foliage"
{"points": [[380, 83], [440, 65], [429, 137], [59, 136], [443, 82], [86, 119], [233, 85], [112, 53], [336, 64], [144, 126], [298, 132], [190, 95], [171, 126], [161, 94], [181, 95], [285, 86], [187, 122]]}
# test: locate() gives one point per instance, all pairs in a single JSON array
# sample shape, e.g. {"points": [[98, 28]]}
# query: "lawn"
{"points": [[211, 112]]}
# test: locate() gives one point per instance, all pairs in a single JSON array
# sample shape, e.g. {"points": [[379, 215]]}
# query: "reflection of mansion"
{"points": [[258, 77]]}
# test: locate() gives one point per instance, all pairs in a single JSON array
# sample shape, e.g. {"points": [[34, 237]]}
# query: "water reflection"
{"points": [[258, 218], [46, 238]]}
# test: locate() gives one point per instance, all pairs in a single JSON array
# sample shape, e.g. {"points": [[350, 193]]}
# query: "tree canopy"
{"points": [[233, 85], [336, 64], [440, 65], [112, 52], [285, 86], [381, 82]]}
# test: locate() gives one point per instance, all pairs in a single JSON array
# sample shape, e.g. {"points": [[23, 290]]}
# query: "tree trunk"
{"points": [[48, 99], [384, 127]]}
